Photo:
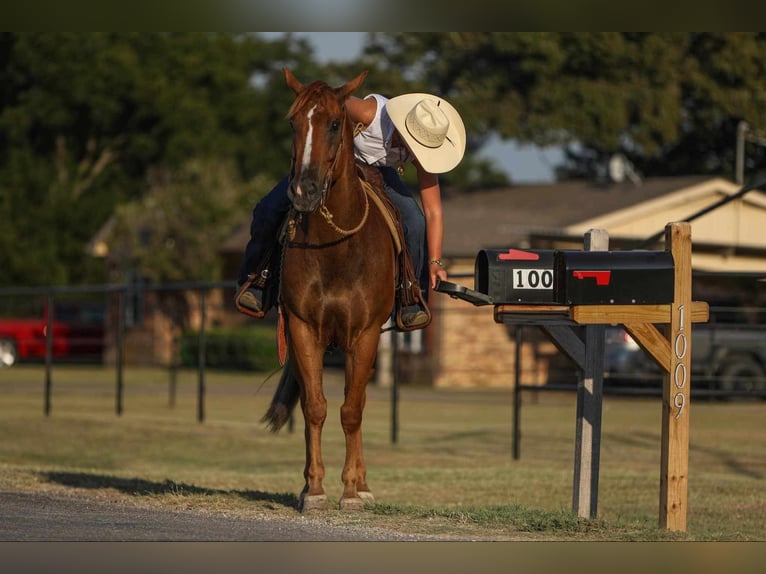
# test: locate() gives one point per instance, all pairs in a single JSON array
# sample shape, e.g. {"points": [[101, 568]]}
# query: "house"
{"points": [[467, 348]]}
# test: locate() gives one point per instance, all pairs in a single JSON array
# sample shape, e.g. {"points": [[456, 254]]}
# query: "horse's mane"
{"points": [[310, 92]]}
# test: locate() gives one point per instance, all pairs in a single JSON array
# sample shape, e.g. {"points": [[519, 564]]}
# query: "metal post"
{"points": [[742, 129], [173, 372], [395, 389], [120, 344], [48, 353], [383, 366], [517, 395], [201, 357]]}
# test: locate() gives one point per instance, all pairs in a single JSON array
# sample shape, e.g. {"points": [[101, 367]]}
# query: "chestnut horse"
{"points": [[337, 283]]}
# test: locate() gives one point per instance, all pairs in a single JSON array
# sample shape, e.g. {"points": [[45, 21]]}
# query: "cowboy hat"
{"points": [[432, 129]]}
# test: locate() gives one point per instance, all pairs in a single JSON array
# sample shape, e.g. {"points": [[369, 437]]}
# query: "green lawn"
{"points": [[451, 470]]}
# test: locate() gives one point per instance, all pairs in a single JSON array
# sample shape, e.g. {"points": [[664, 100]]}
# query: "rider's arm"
{"points": [[430, 196], [361, 110]]}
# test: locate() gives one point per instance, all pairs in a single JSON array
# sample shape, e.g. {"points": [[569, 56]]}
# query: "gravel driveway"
{"points": [[32, 516]]}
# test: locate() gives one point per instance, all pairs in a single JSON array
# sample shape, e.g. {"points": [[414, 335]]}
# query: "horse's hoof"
{"points": [[351, 504], [313, 502], [366, 496]]}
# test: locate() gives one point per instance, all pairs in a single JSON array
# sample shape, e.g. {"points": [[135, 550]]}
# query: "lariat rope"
{"points": [[366, 188]]}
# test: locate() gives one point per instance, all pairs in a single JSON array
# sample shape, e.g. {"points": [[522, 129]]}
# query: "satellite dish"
{"points": [[620, 168], [617, 168]]}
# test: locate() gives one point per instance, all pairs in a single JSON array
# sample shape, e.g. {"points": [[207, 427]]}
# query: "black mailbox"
{"points": [[614, 277], [515, 276]]}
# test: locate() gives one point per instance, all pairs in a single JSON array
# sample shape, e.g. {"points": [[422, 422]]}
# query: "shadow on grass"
{"points": [[651, 441], [142, 487]]}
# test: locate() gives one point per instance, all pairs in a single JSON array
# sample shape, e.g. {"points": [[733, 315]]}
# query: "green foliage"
{"points": [[87, 118], [250, 349], [668, 101], [174, 232], [93, 123]]}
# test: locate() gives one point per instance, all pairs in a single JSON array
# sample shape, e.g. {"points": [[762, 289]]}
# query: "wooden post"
{"points": [[676, 384], [589, 399], [671, 351]]}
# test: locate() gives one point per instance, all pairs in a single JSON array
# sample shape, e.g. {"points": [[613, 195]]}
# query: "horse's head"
{"points": [[321, 134]]}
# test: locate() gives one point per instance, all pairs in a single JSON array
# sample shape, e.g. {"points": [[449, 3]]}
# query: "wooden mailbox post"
{"points": [[671, 350]]}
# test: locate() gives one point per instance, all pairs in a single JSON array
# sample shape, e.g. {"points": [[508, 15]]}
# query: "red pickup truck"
{"points": [[78, 335]]}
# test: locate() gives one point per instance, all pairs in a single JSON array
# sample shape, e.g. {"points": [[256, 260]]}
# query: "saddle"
{"points": [[407, 288], [266, 275]]}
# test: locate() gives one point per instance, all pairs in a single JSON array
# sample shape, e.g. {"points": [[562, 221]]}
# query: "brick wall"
{"points": [[472, 350]]}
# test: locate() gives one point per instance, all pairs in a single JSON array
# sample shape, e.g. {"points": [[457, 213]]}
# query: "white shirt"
{"points": [[373, 145]]}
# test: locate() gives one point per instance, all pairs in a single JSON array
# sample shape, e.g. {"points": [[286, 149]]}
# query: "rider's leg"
{"points": [[268, 215], [414, 224]]}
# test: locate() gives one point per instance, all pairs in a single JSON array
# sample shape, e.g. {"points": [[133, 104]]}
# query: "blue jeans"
{"points": [[413, 222], [268, 215], [271, 210]]}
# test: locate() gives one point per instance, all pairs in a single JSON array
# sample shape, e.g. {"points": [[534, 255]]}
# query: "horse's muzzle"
{"points": [[305, 195]]}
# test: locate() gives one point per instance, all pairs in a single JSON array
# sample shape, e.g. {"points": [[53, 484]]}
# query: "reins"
{"points": [[328, 178]]}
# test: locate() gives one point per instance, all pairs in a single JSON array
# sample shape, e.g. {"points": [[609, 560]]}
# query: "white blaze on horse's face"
{"points": [[305, 188], [307, 146]]}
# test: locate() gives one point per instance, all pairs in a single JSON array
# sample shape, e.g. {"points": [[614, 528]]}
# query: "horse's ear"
{"points": [[293, 82], [350, 87]]}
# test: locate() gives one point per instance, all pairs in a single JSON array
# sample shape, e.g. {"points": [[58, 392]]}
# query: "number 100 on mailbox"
{"points": [[515, 276]]}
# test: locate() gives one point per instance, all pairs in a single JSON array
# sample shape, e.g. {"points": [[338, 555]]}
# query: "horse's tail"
{"points": [[282, 404]]}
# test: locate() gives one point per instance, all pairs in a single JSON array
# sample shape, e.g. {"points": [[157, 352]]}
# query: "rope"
{"points": [[345, 232]]}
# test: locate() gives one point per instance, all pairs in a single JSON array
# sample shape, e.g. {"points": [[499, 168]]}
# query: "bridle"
{"points": [[295, 217]]}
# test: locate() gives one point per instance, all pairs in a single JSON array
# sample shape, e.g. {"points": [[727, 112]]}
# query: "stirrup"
{"points": [[418, 323], [414, 319], [242, 290]]}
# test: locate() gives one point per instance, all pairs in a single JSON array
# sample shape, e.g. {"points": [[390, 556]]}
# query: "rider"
{"points": [[416, 128]]}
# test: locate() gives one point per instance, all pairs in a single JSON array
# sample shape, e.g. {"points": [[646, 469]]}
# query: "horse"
{"points": [[338, 274]]}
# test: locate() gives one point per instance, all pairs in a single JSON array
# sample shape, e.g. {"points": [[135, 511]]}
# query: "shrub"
{"points": [[246, 348]]}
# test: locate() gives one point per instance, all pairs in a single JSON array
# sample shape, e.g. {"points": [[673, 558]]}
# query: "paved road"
{"points": [[26, 516]]}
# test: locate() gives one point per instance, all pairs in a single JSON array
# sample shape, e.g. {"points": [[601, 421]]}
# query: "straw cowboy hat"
{"points": [[431, 128]]}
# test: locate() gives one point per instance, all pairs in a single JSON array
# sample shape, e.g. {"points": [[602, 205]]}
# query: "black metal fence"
{"points": [[628, 371], [32, 330], [37, 324]]}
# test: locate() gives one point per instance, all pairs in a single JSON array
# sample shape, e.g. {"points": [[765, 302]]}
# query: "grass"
{"points": [[450, 473]]}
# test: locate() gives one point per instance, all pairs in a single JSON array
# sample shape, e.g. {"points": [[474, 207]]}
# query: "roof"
{"points": [[512, 216], [507, 216]]}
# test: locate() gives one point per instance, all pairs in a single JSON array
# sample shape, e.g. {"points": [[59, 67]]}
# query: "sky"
{"points": [[523, 164]]}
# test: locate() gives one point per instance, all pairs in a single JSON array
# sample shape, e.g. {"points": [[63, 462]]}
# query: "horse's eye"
{"points": [[335, 125]]}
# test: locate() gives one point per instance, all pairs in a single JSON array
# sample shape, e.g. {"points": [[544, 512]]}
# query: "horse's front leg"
{"points": [[306, 356], [359, 369]]}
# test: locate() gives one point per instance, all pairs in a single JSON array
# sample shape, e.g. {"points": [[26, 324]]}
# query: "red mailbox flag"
{"points": [[602, 277], [518, 255]]}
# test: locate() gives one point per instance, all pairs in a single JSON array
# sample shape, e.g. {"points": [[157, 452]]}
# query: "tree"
{"points": [[84, 117], [670, 102], [724, 82], [173, 232]]}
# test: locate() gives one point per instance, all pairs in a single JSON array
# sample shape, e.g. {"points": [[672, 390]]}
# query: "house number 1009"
{"points": [[680, 348]]}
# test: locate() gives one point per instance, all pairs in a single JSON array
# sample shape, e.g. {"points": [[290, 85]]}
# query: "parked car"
{"points": [[727, 360], [78, 335]]}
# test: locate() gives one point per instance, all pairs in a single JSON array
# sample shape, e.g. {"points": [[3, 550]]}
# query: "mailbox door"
{"points": [[515, 276], [614, 277]]}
